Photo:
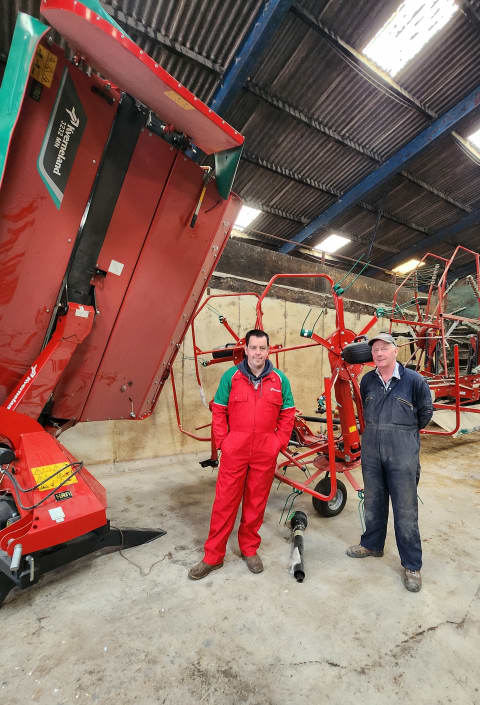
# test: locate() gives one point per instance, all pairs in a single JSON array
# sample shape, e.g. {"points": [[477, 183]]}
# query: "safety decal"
{"points": [[62, 138], [57, 514], [45, 471], [44, 66], [115, 267], [179, 100], [82, 312]]}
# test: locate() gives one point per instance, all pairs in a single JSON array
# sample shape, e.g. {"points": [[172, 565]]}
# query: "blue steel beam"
{"points": [[394, 164], [252, 46], [423, 245]]}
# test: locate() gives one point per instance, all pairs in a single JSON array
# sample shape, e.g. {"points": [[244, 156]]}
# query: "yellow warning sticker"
{"points": [[351, 429], [44, 65], [179, 100], [45, 471]]}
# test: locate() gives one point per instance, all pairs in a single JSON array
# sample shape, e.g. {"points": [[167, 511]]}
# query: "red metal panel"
{"points": [[36, 238], [81, 508], [172, 272], [116, 57], [143, 185], [35, 388], [13, 424]]}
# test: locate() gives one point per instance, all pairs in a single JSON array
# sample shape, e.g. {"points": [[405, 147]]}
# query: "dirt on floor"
{"points": [[130, 627]]}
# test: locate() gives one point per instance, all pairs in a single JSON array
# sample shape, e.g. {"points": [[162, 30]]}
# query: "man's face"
{"points": [[384, 354], [256, 352]]}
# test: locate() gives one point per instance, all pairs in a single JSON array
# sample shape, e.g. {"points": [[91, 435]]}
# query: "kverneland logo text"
{"points": [[65, 131], [25, 383]]}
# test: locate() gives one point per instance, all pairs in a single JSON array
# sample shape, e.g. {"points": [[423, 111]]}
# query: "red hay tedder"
{"points": [[434, 351]]}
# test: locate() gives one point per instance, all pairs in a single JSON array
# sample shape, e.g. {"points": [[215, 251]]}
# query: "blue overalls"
{"points": [[390, 459]]}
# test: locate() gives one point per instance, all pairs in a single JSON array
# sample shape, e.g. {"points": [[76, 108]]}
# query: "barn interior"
{"points": [[332, 146]]}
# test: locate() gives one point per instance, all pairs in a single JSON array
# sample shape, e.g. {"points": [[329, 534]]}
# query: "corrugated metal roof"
{"points": [[448, 68], [318, 123], [315, 79], [302, 69], [278, 136], [450, 169], [280, 192], [213, 29], [356, 22], [167, 28], [404, 198]]}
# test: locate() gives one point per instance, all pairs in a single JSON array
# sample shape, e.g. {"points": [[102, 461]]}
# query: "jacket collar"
{"points": [[399, 368], [246, 371]]}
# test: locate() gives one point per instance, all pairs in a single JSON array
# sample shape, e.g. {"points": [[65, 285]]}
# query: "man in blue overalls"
{"points": [[397, 403]]}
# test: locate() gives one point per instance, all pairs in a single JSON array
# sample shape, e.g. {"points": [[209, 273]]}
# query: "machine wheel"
{"points": [[357, 353], [336, 504], [223, 353], [8, 511], [5, 586]]}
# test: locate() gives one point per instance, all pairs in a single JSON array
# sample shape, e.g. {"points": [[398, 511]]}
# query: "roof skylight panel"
{"points": [[332, 243], [407, 31]]}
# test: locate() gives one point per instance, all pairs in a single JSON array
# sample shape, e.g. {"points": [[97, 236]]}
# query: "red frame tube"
{"points": [[457, 401]]}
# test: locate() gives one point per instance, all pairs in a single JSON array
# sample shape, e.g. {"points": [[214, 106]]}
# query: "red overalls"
{"points": [[250, 431]]}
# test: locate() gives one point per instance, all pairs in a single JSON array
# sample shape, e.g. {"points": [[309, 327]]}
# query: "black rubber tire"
{"points": [[222, 353], [336, 505], [357, 353], [6, 584], [7, 511]]}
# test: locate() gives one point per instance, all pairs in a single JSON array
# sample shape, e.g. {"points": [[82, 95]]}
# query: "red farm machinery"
{"points": [[440, 324], [109, 232], [337, 450], [437, 336]]}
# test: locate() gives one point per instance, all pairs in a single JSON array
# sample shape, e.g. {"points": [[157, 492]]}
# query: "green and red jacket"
{"points": [[257, 414]]}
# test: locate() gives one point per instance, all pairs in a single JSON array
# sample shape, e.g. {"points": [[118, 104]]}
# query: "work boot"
{"points": [[202, 569], [412, 580], [360, 551], [254, 563]]}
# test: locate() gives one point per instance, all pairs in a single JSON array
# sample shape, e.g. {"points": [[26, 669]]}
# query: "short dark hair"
{"points": [[257, 333]]}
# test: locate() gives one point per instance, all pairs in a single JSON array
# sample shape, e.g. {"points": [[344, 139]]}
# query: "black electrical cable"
{"points": [[395, 92], [374, 234], [47, 479], [369, 75], [19, 489]]}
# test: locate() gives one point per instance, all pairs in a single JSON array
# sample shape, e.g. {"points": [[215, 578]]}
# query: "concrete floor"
{"points": [[131, 628]]}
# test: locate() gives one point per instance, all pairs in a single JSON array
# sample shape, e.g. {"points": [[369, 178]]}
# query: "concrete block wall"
{"points": [[115, 441]]}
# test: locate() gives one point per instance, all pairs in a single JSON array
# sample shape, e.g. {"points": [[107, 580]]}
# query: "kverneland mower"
{"points": [[109, 232]]}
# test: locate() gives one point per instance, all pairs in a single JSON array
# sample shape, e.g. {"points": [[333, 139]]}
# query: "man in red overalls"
{"points": [[253, 415]]}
